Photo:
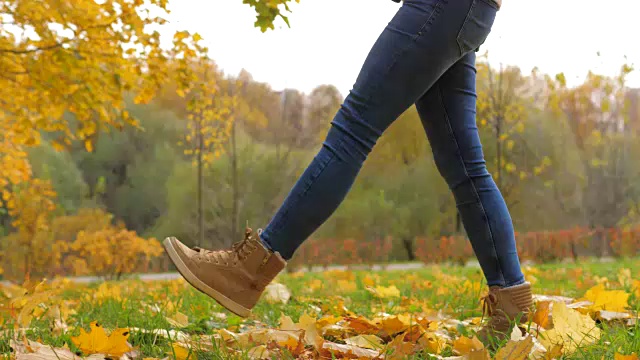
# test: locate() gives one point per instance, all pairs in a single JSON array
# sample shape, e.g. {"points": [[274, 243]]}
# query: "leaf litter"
{"points": [[559, 326]]}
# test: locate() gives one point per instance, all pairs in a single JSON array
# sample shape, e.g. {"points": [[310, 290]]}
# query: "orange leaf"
{"points": [[619, 356], [542, 316]]}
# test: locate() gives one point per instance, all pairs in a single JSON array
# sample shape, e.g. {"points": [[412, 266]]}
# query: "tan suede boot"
{"points": [[505, 306], [235, 278]]}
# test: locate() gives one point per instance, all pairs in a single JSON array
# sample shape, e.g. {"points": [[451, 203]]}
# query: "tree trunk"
{"points": [[408, 246], [234, 181], [200, 239]]}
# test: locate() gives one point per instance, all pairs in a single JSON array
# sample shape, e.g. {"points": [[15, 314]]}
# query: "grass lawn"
{"points": [[445, 301]]}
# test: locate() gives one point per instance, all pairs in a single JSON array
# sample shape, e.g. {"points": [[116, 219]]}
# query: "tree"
{"points": [[597, 114], [31, 210], [268, 11], [210, 118], [323, 103], [80, 59], [506, 102]]}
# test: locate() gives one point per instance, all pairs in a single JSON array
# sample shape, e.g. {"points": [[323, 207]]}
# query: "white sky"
{"points": [[329, 39]]}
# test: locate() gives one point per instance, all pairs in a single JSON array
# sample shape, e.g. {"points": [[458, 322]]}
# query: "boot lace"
{"points": [[490, 309], [489, 303], [239, 251]]}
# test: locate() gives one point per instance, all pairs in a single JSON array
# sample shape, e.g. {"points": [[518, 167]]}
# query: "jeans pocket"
{"points": [[477, 25]]}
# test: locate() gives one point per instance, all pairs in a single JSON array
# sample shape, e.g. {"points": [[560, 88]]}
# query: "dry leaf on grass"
{"points": [[277, 293], [96, 341], [609, 300], [570, 329], [542, 316], [340, 350], [465, 345], [384, 292], [516, 350], [619, 356], [365, 341], [306, 323]]}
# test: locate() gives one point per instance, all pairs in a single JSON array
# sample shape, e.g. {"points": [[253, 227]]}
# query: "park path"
{"points": [[175, 275]]}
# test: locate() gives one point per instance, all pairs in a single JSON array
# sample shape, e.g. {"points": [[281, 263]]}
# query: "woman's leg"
{"points": [[448, 113], [420, 43]]}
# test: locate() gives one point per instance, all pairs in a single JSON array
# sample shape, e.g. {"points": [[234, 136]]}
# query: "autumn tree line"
{"points": [[110, 141]]}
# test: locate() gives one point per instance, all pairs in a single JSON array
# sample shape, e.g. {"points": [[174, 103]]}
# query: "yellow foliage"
{"points": [[111, 252], [82, 58], [96, 341], [31, 209], [82, 244]]}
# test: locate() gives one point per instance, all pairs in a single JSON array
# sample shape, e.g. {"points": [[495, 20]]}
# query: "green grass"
{"points": [[452, 290]]}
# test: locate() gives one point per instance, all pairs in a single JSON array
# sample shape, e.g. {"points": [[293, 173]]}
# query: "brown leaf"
{"points": [[555, 352], [398, 348], [465, 345], [516, 350], [542, 316], [32, 350], [362, 325]]}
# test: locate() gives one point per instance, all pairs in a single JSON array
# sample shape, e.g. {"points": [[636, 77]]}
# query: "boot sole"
{"points": [[229, 304]]}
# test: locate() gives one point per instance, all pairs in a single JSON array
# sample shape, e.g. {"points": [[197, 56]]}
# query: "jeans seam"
{"points": [[473, 186], [414, 39], [305, 191], [464, 24]]}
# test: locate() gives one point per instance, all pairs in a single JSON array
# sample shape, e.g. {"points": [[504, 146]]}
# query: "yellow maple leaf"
{"points": [[464, 345], [182, 352], [306, 323], [516, 350], [96, 341], [570, 329], [610, 300]]}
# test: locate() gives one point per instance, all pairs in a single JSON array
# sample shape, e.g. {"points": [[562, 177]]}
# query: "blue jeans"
{"points": [[425, 56]]}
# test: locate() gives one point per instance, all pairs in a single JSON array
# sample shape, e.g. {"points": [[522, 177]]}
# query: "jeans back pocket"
{"points": [[477, 25]]}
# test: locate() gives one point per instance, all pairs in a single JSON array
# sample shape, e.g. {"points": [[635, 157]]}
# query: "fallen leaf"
{"points": [[609, 300], [464, 345], [552, 298], [612, 316], [344, 350], [182, 352], [542, 316], [277, 293], [619, 356], [178, 320], [365, 341], [570, 329], [259, 352], [554, 353], [362, 325], [516, 350], [96, 341], [384, 292], [306, 323], [398, 349]]}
